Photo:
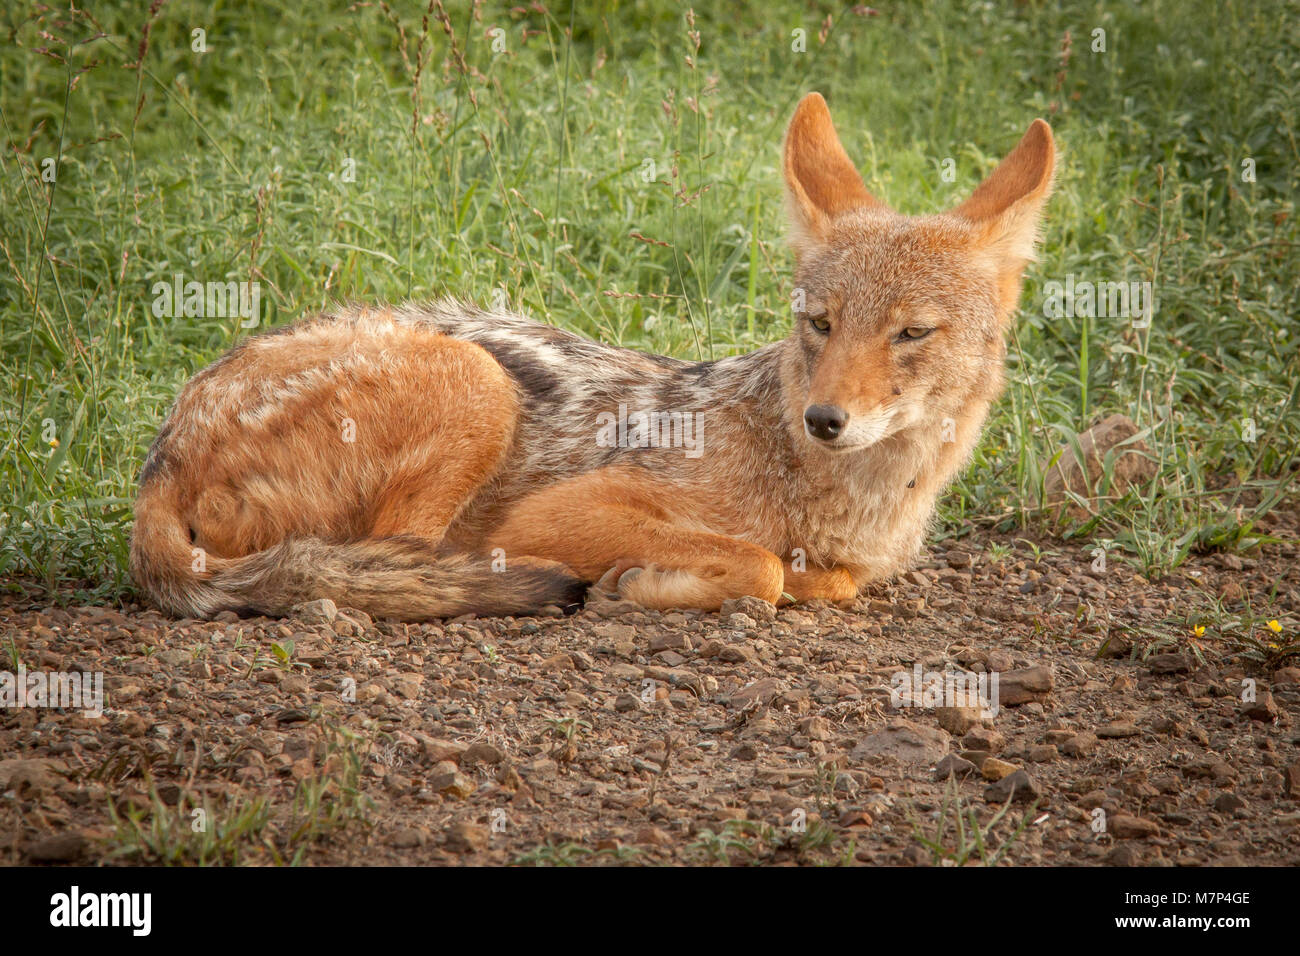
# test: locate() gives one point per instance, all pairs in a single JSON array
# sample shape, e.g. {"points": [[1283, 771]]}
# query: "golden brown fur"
{"points": [[431, 460]]}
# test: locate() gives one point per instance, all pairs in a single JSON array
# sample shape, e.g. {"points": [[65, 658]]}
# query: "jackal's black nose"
{"points": [[825, 421]]}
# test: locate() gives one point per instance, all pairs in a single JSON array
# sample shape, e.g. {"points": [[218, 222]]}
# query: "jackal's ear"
{"points": [[1007, 207], [820, 180]]}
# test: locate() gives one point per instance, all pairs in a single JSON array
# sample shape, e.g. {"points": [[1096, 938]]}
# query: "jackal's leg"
{"points": [[828, 584], [395, 442], [456, 447], [615, 519]]}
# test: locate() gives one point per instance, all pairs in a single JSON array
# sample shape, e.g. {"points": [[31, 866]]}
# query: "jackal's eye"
{"points": [[913, 332], [819, 322]]}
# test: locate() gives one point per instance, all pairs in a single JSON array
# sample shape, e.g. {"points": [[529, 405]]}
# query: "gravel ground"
{"points": [[618, 735]]}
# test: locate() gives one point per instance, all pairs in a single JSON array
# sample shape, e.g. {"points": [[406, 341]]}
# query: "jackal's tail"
{"points": [[400, 577]]}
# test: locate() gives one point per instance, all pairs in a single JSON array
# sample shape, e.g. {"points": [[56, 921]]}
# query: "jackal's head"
{"points": [[899, 320]]}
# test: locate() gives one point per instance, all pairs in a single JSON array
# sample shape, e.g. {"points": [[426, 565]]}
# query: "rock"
{"points": [[737, 654], [408, 838], [906, 742], [1018, 787], [1262, 708], [953, 766], [452, 783], [1042, 753], [1123, 855], [669, 641], [1228, 803], [756, 608], [1118, 729], [30, 775], [998, 660], [652, 836], [1293, 781], [760, 692], [984, 738], [58, 848], [1124, 827], [626, 703], [958, 559], [1025, 685], [1168, 663], [855, 818], [815, 728], [466, 837], [1286, 675], [437, 751], [407, 686], [481, 752], [1080, 745], [556, 662], [958, 720], [321, 611], [994, 769], [1132, 463]]}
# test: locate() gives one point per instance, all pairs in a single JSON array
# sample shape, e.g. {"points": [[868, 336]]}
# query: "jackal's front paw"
{"points": [[657, 588]]}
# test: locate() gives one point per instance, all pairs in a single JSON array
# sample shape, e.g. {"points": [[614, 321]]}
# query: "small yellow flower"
{"points": [[1199, 630], [1275, 627], [54, 443]]}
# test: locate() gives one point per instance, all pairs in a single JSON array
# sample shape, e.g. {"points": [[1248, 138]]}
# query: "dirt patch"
{"points": [[1123, 735]]}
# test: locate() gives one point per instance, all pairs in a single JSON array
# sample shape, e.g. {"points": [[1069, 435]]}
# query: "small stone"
{"points": [[58, 848], [1228, 803], [453, 784], [1042, 753], [1123, 855], [1018, 786], [1130, 464], [995, 769], [953, 766], [1117, 730], [321, 611], [407, 686], [465, 837], [1080, 745], [760, 691], [1262, 708], [907, 742], [652, 836], [408, 838], [556, 662], [437, 751], [1125, 827], [481, 752], [669, 641], [984, 738], [815, 728], [737, 654], [855, 818], [756, 608], [958, 559], [1293, 781], [1025, 685], [958, 720], [1168, 663]]}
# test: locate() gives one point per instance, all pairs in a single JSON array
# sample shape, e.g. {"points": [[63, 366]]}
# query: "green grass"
{"points": [[524, 176]]}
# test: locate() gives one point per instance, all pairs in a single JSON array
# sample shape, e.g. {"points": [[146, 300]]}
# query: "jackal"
{"points": [[432, 460]]}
